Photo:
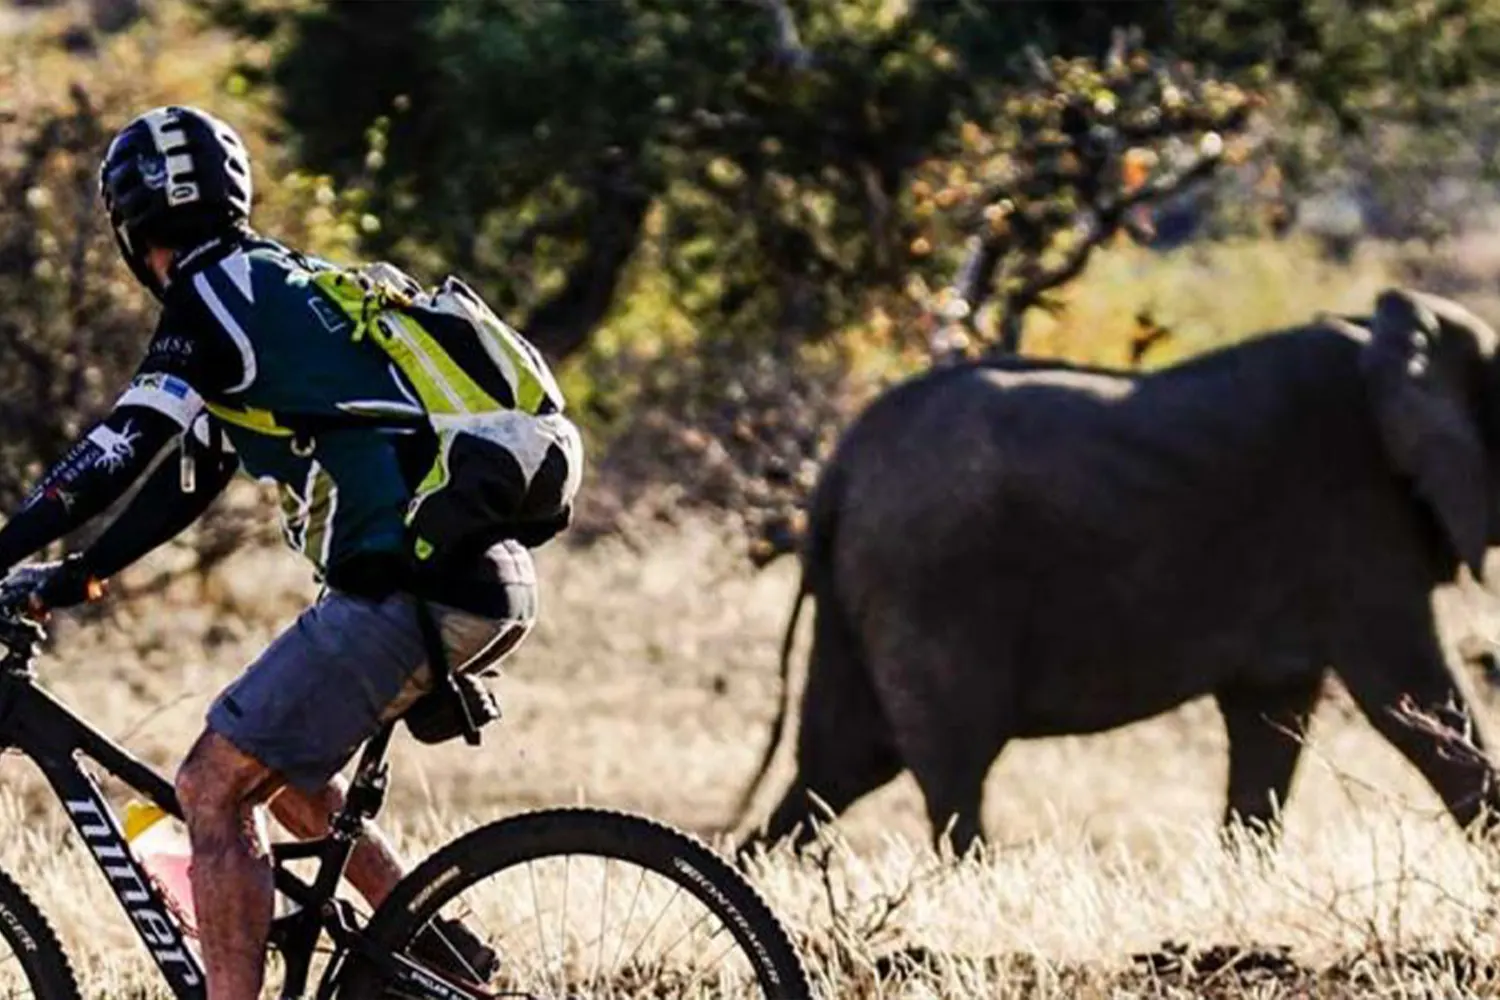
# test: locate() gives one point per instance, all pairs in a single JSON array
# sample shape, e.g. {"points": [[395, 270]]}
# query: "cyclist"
{"points": [[243, 332]]}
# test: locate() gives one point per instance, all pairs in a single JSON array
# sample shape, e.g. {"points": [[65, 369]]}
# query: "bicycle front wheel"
{"points": [[569, 903], [35, 965]]}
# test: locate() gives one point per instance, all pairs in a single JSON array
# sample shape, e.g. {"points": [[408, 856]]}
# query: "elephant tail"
{"points": [[778, 726], [817, 552]]}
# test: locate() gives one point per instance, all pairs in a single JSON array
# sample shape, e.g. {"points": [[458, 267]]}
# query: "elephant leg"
{"points": [[1380, 676], [950, 714], [1265, 726], [844, 743], [953, 791]]}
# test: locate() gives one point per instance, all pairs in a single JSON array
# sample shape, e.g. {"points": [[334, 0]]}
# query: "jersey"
{"points": [[244, 334]]}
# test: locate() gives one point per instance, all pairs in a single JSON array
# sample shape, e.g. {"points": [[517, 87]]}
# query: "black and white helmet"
{"points": [[175, 177]]}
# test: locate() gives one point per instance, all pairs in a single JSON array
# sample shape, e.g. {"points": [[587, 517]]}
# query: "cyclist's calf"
{"points": [[374, 867]]}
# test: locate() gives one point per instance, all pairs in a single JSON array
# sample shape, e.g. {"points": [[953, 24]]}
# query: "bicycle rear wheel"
{"points": [[572, 903], [33, 963]]}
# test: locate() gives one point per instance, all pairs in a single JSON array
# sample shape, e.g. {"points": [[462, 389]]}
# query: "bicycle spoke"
{"points": [[541, 931], [603, 916], [676, 891], [685, 935], [562, 934], [625, 932], [711, 966]]}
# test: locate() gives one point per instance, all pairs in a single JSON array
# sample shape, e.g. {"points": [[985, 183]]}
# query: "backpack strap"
{"points": [[442, 672]]}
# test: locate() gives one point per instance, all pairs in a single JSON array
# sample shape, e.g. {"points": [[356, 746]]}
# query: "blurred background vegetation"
{"points": [[729, 222]]}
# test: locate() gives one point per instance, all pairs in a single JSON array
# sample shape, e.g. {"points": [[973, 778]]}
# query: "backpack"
{"points": [[508, 461]]}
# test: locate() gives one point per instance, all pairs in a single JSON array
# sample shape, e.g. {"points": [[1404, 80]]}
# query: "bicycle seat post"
{"points": [[365, 797]]}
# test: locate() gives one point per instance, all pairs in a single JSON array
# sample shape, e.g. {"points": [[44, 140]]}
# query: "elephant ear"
{"points": [[1420, 407]]}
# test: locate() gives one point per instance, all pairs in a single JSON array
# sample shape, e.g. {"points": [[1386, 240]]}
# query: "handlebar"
{"points": [[21, 635], [24, 607]]}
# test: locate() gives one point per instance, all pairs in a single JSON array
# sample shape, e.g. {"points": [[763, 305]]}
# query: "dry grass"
{"points": [[1205, 296], [1105, 845]]}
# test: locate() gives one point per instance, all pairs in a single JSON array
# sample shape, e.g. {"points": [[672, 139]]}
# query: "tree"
{"points": [[526, 142], [1057, 169], [761, 159]]}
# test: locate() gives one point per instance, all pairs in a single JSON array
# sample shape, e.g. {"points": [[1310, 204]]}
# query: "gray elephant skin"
{"points": [[1007, 550]]}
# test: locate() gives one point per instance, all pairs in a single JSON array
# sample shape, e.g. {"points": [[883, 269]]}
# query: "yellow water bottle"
{"points": [[161, 846]]}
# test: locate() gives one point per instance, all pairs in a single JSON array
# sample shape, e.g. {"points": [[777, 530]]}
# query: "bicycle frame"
{"points": [[54, 738]]}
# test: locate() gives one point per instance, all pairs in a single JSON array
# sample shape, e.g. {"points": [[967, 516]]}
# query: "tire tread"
{"points": [[514, 840], [49, 970]]}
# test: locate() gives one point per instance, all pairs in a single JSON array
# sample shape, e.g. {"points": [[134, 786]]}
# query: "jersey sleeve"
{"points": [[197, 352], [192, 356], [172, 497]]}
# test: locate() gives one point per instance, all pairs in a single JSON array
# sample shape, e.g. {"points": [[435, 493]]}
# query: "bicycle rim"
{"points": [[586, 903]]}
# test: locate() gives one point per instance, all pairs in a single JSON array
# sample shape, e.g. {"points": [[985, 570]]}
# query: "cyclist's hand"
{"points": [[39, 587], [70, 583], [19, 589]]}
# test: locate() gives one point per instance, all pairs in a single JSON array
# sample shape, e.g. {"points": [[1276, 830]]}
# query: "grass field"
{"points": [[658, 662]]}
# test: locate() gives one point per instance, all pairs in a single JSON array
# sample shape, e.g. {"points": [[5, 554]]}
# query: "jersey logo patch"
{"points": [[332, 318], [174, 386], [115, 449], [168, 395]]}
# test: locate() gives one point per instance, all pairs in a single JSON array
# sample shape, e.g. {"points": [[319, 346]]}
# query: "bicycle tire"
{"points": [[553, 833], [43, 961]]}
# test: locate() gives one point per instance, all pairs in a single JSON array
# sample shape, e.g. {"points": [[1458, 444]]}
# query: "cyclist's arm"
{"points": [[189, 355], [166, 503], [96, 472]]}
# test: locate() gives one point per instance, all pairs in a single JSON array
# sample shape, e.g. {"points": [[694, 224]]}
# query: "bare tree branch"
{"points": [[1052, 176], [1097, 227], [562, 324]]}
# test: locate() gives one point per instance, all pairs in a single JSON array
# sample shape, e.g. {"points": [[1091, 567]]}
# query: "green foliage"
{"points": [[527, 142], [711, 209], [1056, 169]]}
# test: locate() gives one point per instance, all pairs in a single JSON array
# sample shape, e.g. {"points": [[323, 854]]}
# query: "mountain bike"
{"points": [[486, 916]]}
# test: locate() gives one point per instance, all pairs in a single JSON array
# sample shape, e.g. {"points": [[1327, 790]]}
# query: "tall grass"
{"points": [[1104, 846]]}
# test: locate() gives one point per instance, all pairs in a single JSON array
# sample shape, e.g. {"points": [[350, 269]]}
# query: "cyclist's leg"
{"points": [[295, 718], [220, 790], [374, 867], [329, 682]]}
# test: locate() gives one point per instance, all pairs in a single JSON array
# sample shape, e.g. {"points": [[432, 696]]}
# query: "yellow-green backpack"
{"points": [[508, 461]]}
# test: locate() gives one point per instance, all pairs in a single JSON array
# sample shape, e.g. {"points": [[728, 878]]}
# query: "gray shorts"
{"points": [[346, 666]]}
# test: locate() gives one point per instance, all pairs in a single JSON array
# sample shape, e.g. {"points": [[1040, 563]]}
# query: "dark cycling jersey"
{"points": [[143, 434], [243, 334]]}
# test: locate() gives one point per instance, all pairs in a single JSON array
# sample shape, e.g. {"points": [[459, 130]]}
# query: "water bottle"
{"points": [[160, 845]]}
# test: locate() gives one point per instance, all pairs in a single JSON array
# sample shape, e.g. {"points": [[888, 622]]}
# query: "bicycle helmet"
{"points": [[176, 177]]}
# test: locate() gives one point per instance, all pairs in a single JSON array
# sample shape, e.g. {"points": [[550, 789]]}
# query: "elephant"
{"points": [[1009, 549]]}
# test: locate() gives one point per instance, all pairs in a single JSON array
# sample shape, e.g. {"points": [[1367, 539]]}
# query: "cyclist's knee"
{"points": [[218, 779]]}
